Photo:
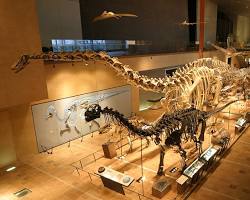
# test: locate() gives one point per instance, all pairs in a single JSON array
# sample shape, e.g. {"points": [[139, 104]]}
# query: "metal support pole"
{"points": [[81, 164], [142, 170], [94, 157], [121, 144], [202, 27], [77, 171], [90, 176]]}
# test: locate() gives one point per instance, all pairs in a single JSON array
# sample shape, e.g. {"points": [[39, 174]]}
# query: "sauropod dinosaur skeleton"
{"points": [[230, 51], [191, 84], [180, 125]]}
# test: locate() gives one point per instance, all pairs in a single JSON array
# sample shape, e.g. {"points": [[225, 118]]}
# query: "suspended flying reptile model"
{"points": [[186, 23], [108, 15]]}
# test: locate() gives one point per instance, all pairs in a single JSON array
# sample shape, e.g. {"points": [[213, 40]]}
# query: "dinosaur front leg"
{"points": [[218, 88], [160, 171], [183, 155]]}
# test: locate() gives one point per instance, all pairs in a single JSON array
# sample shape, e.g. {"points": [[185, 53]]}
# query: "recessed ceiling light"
{"points": [[22, 192], [10, 169]]}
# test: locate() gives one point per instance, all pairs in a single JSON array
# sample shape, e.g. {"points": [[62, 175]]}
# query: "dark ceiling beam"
{"points": [[235, 7]]}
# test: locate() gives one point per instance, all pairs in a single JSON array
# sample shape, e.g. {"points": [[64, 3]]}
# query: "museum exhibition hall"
{"points": [[128, 99]]}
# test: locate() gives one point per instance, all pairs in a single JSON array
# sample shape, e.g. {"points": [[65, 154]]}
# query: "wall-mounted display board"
{"points": [[60, 121]]}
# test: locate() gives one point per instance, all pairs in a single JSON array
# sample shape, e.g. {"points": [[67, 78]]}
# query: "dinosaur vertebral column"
{"points": [[192, 84]]}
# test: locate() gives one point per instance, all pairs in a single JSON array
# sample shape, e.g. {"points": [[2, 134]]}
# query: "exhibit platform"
{"points": [[40, 173]]}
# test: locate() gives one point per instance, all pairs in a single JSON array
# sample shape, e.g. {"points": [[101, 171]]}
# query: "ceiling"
{"points": [[237, 7]]}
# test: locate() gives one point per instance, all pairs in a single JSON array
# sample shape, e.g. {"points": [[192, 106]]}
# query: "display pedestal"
{"points": [[241, 125], [182, 184], [112, 185], [247, 117], [109, 150], [160, 188], [209, 156], [195, 170], [114, 180]]}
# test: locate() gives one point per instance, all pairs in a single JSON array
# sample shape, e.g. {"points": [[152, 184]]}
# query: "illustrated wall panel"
{"points": [[60, 121]]}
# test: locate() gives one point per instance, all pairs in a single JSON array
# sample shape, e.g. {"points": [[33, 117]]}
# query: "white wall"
{"points": [[59, 19], [210, 19], [147, 62], [243, 29]]}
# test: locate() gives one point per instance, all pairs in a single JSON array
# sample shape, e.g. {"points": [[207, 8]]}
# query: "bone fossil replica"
{"points": [[192, 85], [181, 125], [230, 51], [186, 23]]}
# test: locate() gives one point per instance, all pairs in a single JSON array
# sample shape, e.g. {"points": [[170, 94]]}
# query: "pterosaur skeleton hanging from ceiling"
{"points": [[187, 23], [109, 15], [174, 128]]}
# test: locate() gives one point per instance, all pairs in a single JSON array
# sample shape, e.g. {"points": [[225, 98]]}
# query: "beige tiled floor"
{"points": [[231, 178], [51, 176]]}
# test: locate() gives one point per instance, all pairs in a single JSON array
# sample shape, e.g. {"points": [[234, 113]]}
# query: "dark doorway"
{"points": [[192, 19]]}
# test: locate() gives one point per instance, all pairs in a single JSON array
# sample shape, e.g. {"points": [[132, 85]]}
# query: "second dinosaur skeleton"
{"points": [[194, 84], [174, 128], [230, 51]]}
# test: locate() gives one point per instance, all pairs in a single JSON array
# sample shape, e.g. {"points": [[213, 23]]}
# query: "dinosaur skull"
{"points": [[93, 112]]}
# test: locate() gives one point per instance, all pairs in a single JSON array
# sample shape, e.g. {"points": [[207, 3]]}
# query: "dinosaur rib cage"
{"points": [[185, 121]]}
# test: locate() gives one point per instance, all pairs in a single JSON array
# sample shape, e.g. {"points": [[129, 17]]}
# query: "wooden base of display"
{"points": [[109, 150]]}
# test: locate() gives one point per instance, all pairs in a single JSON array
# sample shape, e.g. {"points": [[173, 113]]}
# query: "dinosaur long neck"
{"points": [[158, 85], [119, 118], [131, 76]]}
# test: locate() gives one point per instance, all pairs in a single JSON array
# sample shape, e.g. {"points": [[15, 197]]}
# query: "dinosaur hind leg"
{"points": [[198, 145], [160, 171]]}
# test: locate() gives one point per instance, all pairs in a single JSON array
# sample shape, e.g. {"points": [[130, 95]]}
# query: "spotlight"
{"points": [[10, 169]]}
